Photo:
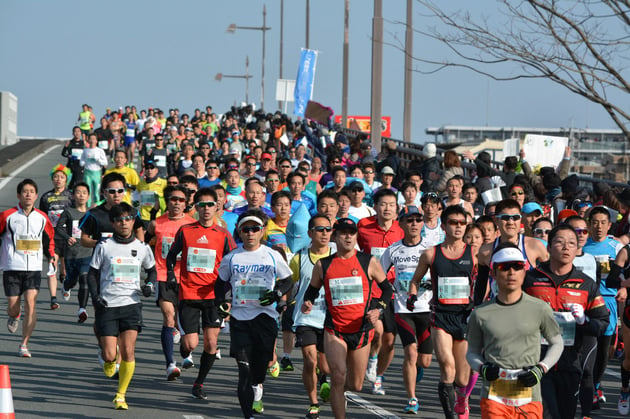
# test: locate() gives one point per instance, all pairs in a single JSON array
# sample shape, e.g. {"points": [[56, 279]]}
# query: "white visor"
{"points": [[509, 254], [251, 218]]}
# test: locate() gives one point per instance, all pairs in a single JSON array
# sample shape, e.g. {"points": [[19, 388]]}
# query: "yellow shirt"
{"points": [[146, 193], [295, 263], [131, 177]]}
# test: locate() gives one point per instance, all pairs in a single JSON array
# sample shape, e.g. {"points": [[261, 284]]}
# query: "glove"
{"points": [[411, 302], [427, 284], [171, 282], [224, 310], [270, 297], [578, 313], [281, 307], [98, 302], [531, 375], [489, 371], [147, 289]]}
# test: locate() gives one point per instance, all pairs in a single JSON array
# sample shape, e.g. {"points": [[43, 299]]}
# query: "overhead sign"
{"points": [[364, 124]]}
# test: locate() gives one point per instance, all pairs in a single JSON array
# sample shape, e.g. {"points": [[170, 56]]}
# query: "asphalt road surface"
{"points": [[64, 379]]}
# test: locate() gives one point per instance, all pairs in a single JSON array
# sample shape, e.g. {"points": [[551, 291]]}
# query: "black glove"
{"points": [[270, 297], [281, 307], [411, 302], [98, 302], [224, 310], [427, 284], [489, 371], [147, 289], [171, 282], [531, 376]]}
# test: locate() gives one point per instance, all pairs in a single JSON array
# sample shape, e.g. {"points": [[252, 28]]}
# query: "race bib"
{"points": [[377, 252], [508, 391], [77, 153], [76, 231], [106, 235], [130, 132], [27, 245], [147, 198], [604, 263], [453, 290], [104, 144], [166, 245], [404, 279], [200, 260], [346, 291], [566, 321], [249, 290], [125, 270], [160, 161], [53, 216]]}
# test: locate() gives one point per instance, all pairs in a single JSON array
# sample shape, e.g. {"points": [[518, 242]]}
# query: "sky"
{"points": [[59, 55]]}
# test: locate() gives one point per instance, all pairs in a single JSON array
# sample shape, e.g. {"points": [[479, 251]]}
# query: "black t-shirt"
{"points": [[95, 223]]}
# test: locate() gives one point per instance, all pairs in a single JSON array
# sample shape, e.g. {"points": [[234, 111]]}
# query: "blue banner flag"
{"points": [[304, 81]]}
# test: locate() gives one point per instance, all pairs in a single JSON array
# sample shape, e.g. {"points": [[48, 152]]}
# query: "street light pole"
{"points": [[408, 73], [264, 28], [247, 76], [281, 43], [377, 75], [346, 52], [307, 25]]}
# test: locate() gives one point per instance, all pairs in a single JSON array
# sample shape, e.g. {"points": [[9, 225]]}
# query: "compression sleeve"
{"points": [[222, 291], [311, 293], [284, 285], [481, 284], [176, 248], [554, 352], [93, 282], [387, 290], [613, 281], [152, 275]]}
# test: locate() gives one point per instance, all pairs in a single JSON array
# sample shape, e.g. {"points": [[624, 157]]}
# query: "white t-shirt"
{"points": [[251, 274], [405, 259], [361, 212]]}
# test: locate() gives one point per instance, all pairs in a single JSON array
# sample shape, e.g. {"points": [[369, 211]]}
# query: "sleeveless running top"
{"points": [[432, 236], [165, 230], [452, 281]]}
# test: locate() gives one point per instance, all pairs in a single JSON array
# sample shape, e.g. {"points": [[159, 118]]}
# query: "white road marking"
{"points": [[378, 411], [9, 178]]}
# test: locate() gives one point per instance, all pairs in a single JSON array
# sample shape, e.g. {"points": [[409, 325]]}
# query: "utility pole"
{"points": [[377, 75], [346, 52], [407, 112]]}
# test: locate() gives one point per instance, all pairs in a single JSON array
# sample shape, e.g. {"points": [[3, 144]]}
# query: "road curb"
{"points": [[7, 168]]}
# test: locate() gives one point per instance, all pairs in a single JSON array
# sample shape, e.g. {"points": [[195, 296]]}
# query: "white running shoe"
{"points": [[13, 323], [188, 362], [66, 294], [172, 372], [218, 354], [24, 352], [623, 406], [370, 374], [82, 314], [177, 337]]}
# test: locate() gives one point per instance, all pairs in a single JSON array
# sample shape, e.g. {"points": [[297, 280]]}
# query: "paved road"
{"points": [[63, 379]]}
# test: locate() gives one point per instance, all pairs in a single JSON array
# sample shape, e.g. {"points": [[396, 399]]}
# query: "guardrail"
{"points": [[407, 151]]}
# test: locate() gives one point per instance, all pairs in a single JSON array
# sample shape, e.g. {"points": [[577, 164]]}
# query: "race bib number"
{"points": [[249, 290], [508, 391], [200, 260], [76, 231], [27, 245], [453, 290], [160, 161], [566, 321], [377, 252], [77, 153], [103, 144], [147, 198], [125, 270], [346, 291]]}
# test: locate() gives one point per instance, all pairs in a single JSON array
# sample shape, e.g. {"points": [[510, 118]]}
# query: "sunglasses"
{"points": [[191, 191], [272, 152], [285, 166], [273, 180], [232, 167], [204, 204], [357, 189], [542, 230], [506, 266], [113, 191], [251, 164], [515, 193], [250, 229], [124, 218], [173, 183], [212, 168], [321, 229], [177, 199], [413, 220], [456, 222], [582, 231], [508, 217], [369, 172]]}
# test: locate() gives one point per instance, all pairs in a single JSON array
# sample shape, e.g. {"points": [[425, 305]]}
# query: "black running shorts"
{"points": [[110, 321], [191, 310], [16, 282]]}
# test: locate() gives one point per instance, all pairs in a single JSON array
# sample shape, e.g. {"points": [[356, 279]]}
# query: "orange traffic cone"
{"points": [[6, 397]]}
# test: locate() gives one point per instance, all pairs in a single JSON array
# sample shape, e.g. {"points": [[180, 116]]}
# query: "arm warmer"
{"points": [[554, 352], [311, 293], [386, 287], [152, 275], [481, 284], [475, 360], [284, 285], [613, 281], [94, 282], [222, 291]]}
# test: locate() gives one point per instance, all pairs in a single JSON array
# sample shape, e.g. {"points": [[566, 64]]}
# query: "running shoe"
{"points": [[377, 387], [13, 323], [313, 412], [172, 372], [109, 369], [24, 352], [461, 405], [54, 305], [286, 364], [274, 370], [218, 354], [324, 391], [198, 393], [257, 406], [370, 374], [119, 402], [83, 315], [619, 354], [65, 294], [188, 362], [623, 406], [412, 406], [177, 337], [601, 397]]}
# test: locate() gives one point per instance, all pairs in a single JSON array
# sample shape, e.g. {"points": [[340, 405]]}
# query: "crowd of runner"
{"points": [[257, 223]]}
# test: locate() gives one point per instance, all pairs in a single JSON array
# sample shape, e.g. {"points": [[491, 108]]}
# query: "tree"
{"points": [[582, 45]]}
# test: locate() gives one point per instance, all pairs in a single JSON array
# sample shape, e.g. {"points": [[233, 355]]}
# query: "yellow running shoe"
{"points": [[120, 403], [109, 368], [258, 407], [274, 370]]}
